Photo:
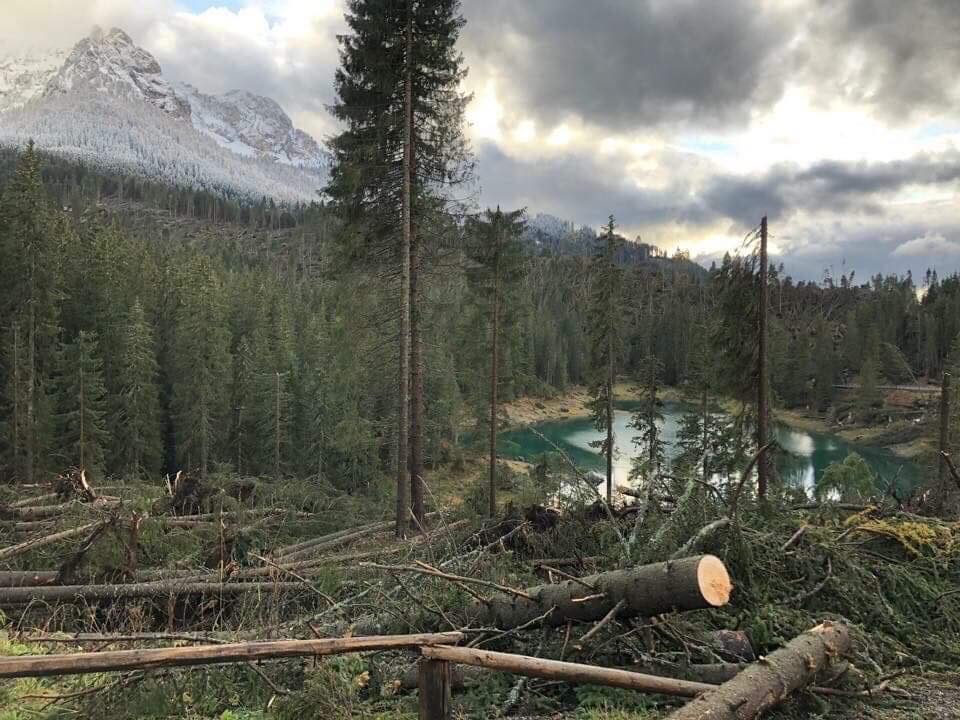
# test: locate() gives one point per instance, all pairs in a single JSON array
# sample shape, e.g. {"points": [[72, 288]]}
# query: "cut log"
{"points": [[768, 682], [692, 583], [567, 671], [114, 660]]}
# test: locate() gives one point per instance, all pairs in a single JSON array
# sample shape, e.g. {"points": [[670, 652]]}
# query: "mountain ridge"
{"points": [[106, 75]]}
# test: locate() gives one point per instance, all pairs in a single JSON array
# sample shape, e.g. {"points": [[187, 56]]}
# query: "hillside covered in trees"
{"points": [[238, 430]]}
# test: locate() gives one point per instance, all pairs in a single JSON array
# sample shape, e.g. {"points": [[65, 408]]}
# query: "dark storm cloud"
{"points": [[582, 188], [907, 53], [629, 63], [825, 187]]}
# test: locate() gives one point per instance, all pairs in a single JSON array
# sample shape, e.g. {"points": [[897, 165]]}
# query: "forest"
{"points": [[233, 421]]}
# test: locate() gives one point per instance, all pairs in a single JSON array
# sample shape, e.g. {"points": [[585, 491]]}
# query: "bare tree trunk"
{"points": [[944, 435], [16, 401], [494, 365], [767, 683], [403, 425], [416, 372], [276, 431], [83, 439], [31, 430], [763, 411]]}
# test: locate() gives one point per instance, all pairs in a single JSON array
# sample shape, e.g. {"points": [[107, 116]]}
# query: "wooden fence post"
{"points": [[434, 683]]}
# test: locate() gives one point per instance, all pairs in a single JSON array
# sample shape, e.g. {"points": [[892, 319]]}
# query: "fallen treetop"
{"points": [[113, 660]]}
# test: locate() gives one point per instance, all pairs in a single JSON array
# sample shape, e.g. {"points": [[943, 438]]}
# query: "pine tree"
{"points": [[646, 421], [30, 295], [605, 340], [137, 446], [498, 258], [82, 400], [398, 93]]}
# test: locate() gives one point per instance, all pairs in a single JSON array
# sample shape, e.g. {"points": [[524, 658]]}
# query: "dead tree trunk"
{"points": [[494, 366], [763, 410], [15, 550], [692, 583], [768, 682], [944, 436], [115, 660], [403, 424]]}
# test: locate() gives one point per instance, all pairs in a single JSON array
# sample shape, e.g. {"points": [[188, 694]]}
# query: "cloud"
{"points": [[587, 187], [897, 58], [826, 186], [930, 244], [286, 50], [624, 63]]}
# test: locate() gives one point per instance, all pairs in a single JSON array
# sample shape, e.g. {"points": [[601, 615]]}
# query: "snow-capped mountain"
{"points": [[251, 125], [108, 102], [24, 78], [110, 63]]}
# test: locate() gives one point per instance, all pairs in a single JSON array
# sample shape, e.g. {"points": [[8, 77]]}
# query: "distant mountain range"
{"points": [[107, 101]]}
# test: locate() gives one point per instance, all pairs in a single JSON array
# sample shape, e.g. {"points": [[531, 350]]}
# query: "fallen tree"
{"points": [[80, 593], [566, 671], [769, 681], [114, 660], [14, 550], [692, 583]]}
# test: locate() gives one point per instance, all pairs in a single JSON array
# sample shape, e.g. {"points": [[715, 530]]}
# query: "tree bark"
{"points": [[763, 411], [121, 660], [567, 671], [944, 436], [692, 583], [434, 683], [14, 550], [768, 682], [159, 588], [494, 366], [403, 424]]}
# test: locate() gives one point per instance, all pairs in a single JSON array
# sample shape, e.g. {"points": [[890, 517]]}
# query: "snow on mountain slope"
{"points": [[112, 64], [251, 125], [24, 78], [107, 102], [141, 140]]}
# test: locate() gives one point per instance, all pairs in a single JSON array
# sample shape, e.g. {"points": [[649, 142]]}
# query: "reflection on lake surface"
{"points": [[802, 460]]}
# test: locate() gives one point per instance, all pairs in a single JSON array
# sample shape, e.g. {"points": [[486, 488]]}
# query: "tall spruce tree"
{"points": [[201, 367], [497, 257], [605, 340], [30, 296], [82, 400], [398, 93], [137, 447]]}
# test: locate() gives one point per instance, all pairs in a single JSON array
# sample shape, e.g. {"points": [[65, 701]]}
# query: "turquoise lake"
{"points": [[802, 459]]}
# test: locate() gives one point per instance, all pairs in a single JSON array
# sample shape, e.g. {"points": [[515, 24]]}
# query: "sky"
{"points": [[686, 119]]}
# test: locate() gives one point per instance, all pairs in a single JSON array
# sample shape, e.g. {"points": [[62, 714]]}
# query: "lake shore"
{"points": [[575, 404]]}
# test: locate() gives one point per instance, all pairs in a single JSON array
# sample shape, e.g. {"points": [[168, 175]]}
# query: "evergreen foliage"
{"points": [[82, 425], [606, 342], [850, 480], [137, 450]]}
